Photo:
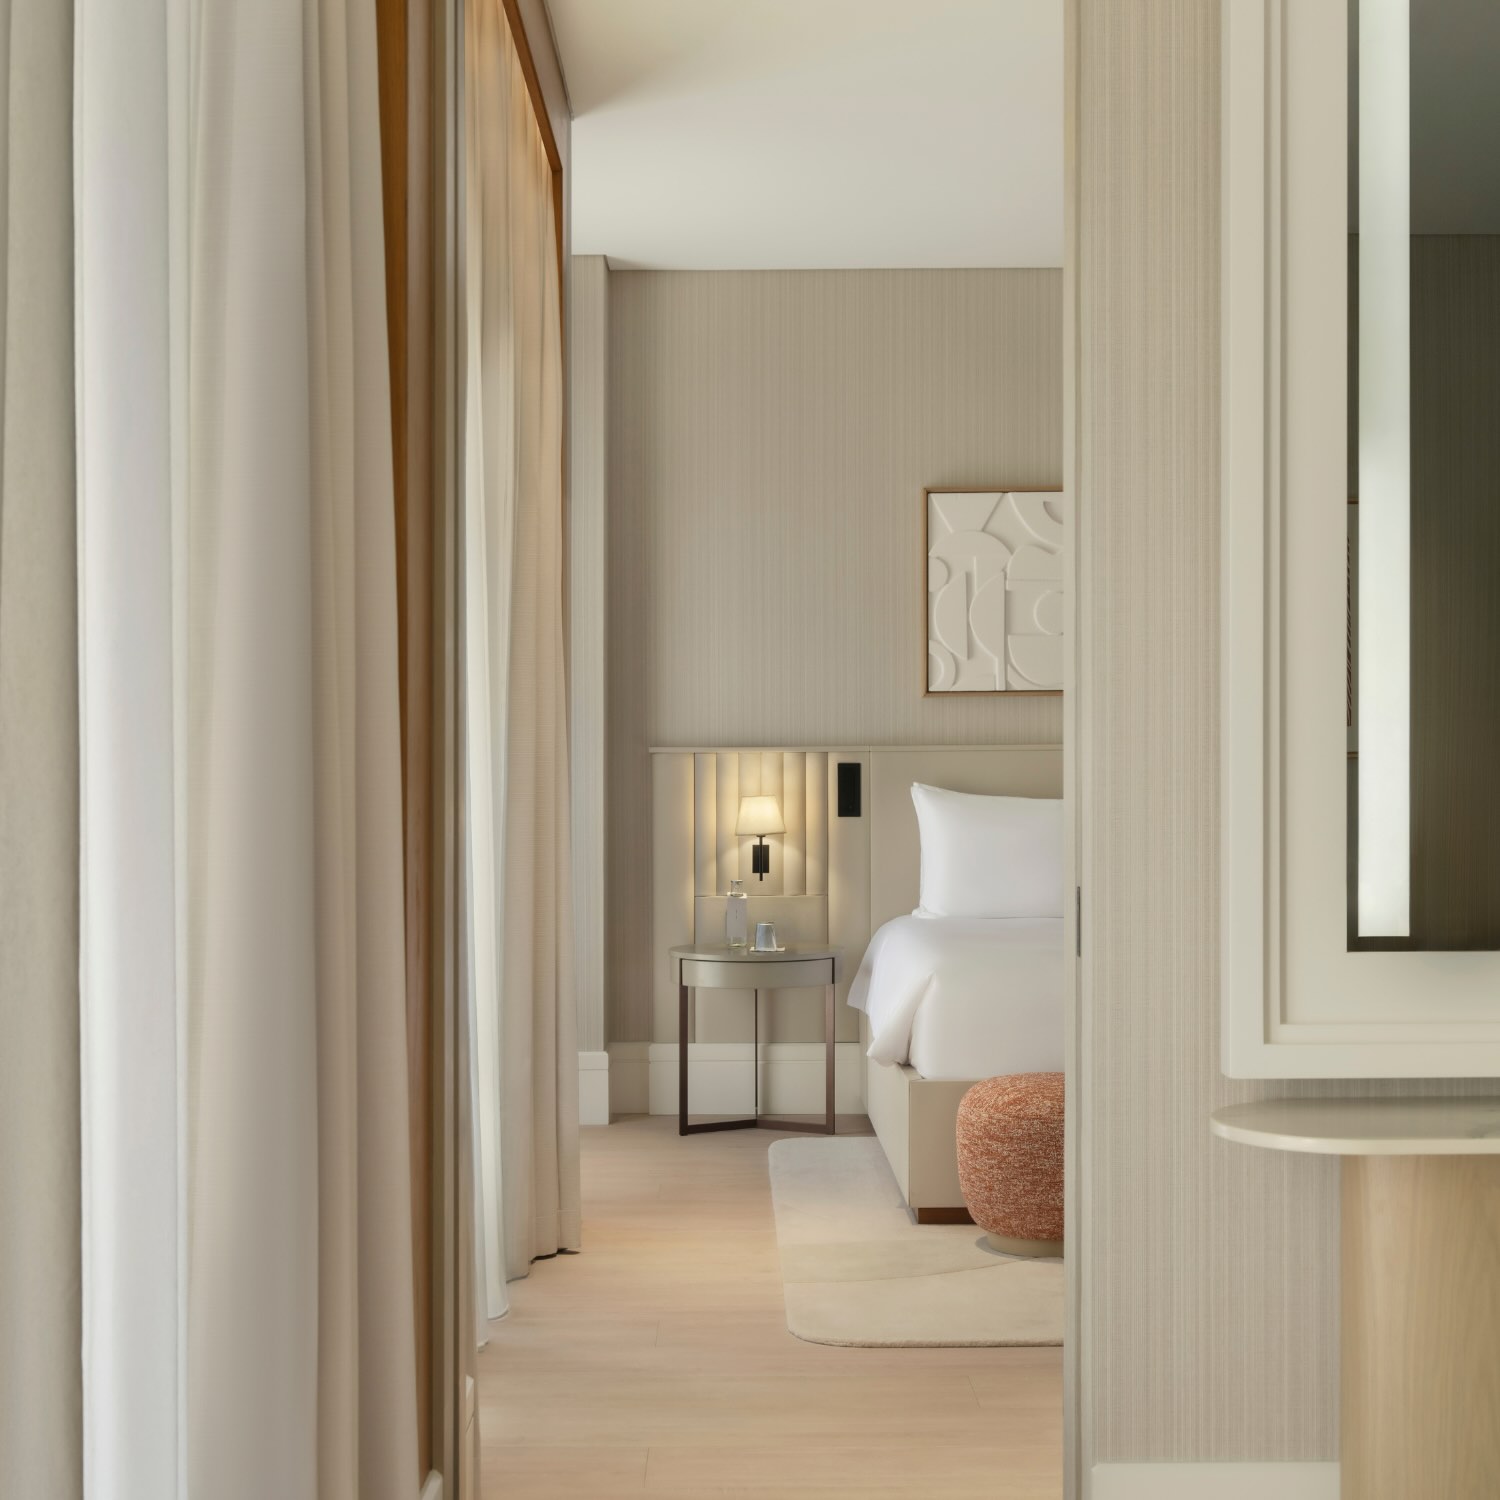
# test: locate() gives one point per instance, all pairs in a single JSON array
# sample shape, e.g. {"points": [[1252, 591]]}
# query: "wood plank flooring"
{"points": [[657, 1362]]}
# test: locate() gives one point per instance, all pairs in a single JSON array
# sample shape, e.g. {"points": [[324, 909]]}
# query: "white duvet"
{"points": [[965, 997]]}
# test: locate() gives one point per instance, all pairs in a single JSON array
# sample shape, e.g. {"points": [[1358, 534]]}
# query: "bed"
{"points": [[948, 1000], [959, 998], [848, 864]]}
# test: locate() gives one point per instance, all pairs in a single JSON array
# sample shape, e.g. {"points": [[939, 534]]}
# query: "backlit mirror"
{"points": [[1424, 474]]}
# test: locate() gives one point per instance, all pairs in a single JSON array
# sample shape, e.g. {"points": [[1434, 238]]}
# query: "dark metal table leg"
{"points": [[682, 1053], [828, 1052]]}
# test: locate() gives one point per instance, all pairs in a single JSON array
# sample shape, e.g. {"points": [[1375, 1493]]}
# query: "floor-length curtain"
{"points": [[237, 530], [128, 195], [527, 1158], [40, 1332]]}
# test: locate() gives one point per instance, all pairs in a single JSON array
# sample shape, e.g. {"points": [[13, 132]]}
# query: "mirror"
{"points": [[1424, 475]]}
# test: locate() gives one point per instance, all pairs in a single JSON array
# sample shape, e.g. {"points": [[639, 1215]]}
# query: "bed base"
{"points": [[915, 1120], [943, 1216]]}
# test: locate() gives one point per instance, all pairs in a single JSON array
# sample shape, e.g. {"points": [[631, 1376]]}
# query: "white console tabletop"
{"points": [[1366, 1127]]}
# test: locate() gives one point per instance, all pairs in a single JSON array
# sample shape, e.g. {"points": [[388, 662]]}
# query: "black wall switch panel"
{"points": [[849, 789]]}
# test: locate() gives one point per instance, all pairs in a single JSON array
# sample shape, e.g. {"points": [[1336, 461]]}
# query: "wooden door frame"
{"points": [[512, 9]]}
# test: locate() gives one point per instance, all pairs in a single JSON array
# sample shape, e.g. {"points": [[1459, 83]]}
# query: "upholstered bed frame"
{"points": [[914, 1116]]}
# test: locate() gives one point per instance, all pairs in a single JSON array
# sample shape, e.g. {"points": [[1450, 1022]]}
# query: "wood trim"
{"points": [[517, 24], [448, 1293], [404, 52], [512, 10]]}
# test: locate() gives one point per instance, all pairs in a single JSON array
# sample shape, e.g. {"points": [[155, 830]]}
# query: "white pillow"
{"points": [[989, 856]]}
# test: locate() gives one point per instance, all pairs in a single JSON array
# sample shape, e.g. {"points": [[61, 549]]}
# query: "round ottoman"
{"points": [[1010, 1161]]}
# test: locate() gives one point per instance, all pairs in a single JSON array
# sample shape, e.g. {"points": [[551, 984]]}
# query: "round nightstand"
{"points": [[799, 966]]}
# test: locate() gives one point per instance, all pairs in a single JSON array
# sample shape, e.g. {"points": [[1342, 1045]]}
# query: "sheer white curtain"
{"points": [[247, 1263], [40, 1378], [526, 1060]]}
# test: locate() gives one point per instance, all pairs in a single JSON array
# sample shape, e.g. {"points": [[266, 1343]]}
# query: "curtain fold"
{"points": [[127, 195], [367, 1359], [245, 1032], [516, 732], [253, 908], [40, 1327]]}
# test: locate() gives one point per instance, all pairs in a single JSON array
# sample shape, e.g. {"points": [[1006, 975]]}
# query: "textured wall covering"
{"points": [[588, 352], [41, 1334], [1211, 1273], [770, 434], [1212, 1290]]}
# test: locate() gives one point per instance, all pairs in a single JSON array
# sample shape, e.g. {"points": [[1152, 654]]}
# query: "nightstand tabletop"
{"points": [[721, 953]]}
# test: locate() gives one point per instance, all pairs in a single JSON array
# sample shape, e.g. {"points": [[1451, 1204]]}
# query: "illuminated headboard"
{"points": [[833, 878]]}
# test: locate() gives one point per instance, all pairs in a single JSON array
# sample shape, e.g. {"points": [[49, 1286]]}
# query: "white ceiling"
{"points": [[725, 134]]}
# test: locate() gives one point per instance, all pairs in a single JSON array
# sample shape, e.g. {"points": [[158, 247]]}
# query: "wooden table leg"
{"points": [[1421, 1327]]}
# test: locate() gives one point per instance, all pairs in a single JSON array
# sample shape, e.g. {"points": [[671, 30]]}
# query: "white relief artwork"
{"points": [[994, 591]]}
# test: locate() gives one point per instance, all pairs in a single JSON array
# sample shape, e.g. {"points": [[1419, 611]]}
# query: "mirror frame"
{"points": [[1295, 1002]]}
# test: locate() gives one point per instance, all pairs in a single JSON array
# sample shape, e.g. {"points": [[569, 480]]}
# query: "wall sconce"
{"points": [[758, 817]]}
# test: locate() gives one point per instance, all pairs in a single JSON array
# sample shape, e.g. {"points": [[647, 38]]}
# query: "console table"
{"points": [[715, 966], [1420, 1347]]}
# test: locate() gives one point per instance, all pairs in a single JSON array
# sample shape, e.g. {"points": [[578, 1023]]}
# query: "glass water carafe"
{"points": [[737, 916]]}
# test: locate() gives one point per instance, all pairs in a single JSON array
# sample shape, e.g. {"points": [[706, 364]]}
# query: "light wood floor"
{"points": [[657, 1362]]}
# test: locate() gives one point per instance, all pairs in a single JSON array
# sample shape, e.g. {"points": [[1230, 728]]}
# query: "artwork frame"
{"points": [[1021, 519]]}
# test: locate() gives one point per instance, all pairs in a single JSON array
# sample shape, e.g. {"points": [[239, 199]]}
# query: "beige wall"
{"points": [[770, 434], [1210, 1283], [1209, 1325], [588, 352]]}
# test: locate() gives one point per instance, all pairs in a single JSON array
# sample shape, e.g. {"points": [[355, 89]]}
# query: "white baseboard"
{"points": [[722, 1081], [629, 1078], [1315, 1481], [593, 1088], [433, 1489]]}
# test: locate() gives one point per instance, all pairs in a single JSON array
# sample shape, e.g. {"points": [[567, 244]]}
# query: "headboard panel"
{"points": [[832, 878], [895, 848]]}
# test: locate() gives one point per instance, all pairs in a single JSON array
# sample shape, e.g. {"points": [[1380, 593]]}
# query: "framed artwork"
{"points": [[994, 600]]}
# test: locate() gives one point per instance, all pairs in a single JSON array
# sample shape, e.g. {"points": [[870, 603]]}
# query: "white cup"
{"points": [[765, 937]]}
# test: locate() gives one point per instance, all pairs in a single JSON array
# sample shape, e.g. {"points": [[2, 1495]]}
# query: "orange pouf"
{"points": [[1010, 1160]]}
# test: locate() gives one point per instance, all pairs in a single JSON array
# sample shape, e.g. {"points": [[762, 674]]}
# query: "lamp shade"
{"points": [[758, 816]]}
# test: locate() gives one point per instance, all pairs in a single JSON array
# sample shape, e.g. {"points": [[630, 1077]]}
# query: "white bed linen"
{"points": [[965, 997]]}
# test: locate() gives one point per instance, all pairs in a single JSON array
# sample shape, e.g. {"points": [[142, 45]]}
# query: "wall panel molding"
{"points": [[722, 1078], [1319, 1481]]}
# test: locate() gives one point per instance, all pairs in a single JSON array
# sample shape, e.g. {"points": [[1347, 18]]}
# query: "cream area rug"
{"points": [[856, 1270]]}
